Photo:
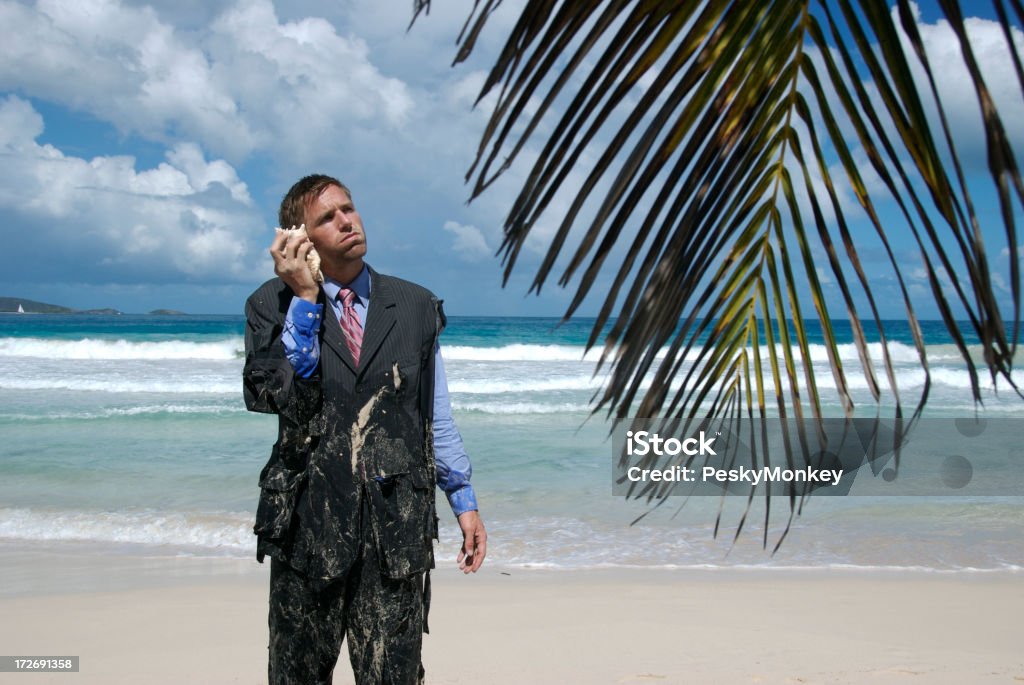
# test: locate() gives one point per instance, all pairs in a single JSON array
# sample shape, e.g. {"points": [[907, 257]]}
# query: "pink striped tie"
{"points": [[350, 324]]}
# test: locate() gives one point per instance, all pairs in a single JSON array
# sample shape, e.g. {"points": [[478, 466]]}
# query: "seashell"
{"points": [[312, 258]]}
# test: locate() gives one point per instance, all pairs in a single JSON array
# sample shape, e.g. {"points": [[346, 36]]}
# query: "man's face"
{"points": [[335, 227]]}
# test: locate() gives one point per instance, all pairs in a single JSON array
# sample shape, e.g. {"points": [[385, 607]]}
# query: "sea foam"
{"points": [[232, 348], [99, 348], [226, 532], [116, 385]]}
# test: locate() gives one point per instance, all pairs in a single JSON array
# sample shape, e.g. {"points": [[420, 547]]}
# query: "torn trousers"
{"points": [[381, 617]]}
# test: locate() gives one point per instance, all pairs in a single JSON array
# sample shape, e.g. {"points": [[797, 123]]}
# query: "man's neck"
{"points": [[343, 273]]}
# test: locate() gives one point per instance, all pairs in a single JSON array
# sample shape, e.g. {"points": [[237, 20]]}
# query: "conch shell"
{"points": [[312, 258]]}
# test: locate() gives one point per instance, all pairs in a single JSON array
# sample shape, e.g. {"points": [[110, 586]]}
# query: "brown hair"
{"points": [[293, 206]]}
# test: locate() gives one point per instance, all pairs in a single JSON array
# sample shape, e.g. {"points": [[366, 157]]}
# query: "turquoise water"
{"points": [[128, 434]]}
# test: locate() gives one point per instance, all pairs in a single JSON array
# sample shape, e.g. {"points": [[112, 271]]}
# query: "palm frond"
{"points": [[724, 135]]}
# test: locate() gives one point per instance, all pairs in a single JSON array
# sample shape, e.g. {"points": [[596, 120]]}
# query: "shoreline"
{"points": [[73, 568], [204, 621]]}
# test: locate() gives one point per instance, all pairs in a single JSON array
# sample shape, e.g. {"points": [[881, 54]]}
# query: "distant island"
{"points": [[106, 311], [21, 305], [12, 304]]}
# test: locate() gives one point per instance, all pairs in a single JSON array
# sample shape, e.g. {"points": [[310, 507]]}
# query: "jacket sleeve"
{"points": [[435, 325], [270, 384]]}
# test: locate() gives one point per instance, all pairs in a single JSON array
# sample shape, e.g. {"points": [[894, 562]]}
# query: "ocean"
{"points": [[127, 435]]}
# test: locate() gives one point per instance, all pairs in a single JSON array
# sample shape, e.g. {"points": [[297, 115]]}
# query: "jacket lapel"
{"points": [[380, 318]]}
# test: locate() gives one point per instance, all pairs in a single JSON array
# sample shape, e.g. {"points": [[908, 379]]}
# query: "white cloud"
{"points": [[919, 275], [957, 95], [1005, 252], [273, 92], [246, 83], [202, 174], [954, 83], [185, 219], [1000, 282], [19, 124], [469, 241], [301, 93]]}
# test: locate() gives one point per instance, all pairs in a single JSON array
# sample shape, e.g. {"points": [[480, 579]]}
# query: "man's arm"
{"points": [[453, 473], [277, 380], [300, 336]]}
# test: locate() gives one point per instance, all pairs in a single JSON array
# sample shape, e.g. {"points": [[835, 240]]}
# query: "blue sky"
{"points": [[146, 145]]}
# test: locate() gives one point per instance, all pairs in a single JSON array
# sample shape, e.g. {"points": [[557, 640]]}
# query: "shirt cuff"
{"points": [[305, 316], [462, 499]]}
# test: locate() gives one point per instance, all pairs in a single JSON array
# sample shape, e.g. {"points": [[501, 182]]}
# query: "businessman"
{"points": [[352, 368]]}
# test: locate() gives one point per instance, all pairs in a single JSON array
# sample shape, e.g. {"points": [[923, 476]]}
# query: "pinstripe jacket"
{"points": [[350, 439]]}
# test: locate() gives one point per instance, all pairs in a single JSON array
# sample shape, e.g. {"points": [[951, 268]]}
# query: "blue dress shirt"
{"points": [[302, 347]]}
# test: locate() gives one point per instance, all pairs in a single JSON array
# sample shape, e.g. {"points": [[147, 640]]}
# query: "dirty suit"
{"points": [[346, 507]]}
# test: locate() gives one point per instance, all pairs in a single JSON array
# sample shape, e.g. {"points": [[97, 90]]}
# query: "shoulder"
{"points": [[403, 289], [415, 302]]}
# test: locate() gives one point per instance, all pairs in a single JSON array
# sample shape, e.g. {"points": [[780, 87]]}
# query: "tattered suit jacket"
{"points": [[348, 436]]}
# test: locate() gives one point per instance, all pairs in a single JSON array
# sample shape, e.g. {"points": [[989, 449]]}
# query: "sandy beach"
{"points": [[203, 621]]}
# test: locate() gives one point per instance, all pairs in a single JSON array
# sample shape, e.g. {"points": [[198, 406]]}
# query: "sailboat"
{"points": [[21, 310]]}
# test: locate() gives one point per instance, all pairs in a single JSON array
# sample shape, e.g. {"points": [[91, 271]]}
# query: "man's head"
{"points": [[324, 205]]}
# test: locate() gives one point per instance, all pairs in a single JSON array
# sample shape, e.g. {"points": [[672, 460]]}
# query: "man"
{"points": [[353, 370]]}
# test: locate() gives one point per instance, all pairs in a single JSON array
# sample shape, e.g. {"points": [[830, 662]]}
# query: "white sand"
{"points": [[204, 621]]}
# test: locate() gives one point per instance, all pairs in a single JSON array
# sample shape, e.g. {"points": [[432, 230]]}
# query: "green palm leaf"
{"points": [[710, 215]]}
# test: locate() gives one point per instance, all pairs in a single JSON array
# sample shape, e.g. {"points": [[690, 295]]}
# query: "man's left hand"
{"points": [[474, 542]]}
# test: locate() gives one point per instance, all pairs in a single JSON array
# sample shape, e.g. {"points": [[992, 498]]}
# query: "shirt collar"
{"points": [[360, 285]]}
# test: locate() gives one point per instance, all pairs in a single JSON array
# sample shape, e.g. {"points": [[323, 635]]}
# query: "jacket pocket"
{"points": [[403, 516], [279, 493]]}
